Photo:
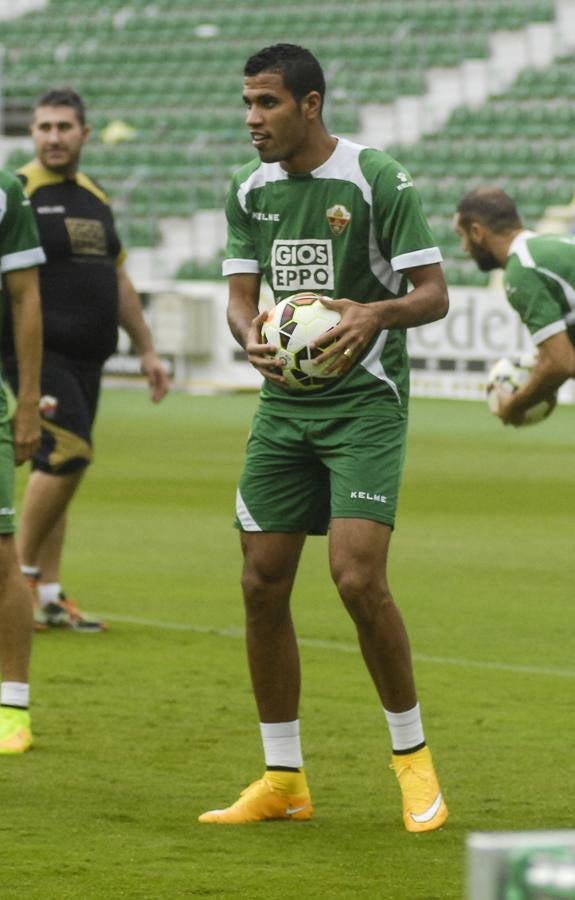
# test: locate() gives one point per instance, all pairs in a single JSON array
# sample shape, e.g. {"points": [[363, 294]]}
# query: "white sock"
{"points": [[30, 571], [282, 746], [49, 592], [15, 693], [405, 728]]}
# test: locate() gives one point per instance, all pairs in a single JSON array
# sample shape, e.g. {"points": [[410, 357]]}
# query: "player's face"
{"points": [[58, 137], [277, 122], [473, 244]]}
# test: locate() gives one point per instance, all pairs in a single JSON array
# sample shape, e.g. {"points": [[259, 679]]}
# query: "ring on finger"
{"points": [[348, 353]]}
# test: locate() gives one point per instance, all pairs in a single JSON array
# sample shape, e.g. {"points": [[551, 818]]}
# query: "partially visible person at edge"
{"points": [[539, 283], [86, 293], [317, 212], [20, 254]]}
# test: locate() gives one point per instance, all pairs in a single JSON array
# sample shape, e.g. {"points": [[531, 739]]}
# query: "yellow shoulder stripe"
{"points": [[86, 182], [37, 176]]}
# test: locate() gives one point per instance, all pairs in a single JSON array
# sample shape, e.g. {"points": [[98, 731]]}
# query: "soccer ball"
{"points": [[291, 326], [511, 374]]}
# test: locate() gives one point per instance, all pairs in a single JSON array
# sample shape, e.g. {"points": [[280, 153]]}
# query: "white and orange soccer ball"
{"points": [[291, 326], [511, 374]]}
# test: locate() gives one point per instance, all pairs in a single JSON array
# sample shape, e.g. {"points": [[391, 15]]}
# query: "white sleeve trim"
{"points": [[23, 259], [240, 266], [416, 258], [548, 331]]}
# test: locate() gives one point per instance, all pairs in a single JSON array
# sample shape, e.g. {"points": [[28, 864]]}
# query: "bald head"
{"points": [[487, 221], [492, 207]]}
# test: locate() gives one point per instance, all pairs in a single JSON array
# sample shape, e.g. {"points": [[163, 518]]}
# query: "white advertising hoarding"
{"points": [[450, 358]]}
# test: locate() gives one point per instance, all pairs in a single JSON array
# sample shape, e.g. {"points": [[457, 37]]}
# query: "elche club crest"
{"points": [[338, 218]]}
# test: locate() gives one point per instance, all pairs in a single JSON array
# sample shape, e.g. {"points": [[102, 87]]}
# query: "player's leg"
{"points": [[15, 617], [270, 564], [358, 556], [49, 556], [275, 508], [365, 458], [42, 519], [15, 644], [69, 402], [46, 499], [50, 589]]}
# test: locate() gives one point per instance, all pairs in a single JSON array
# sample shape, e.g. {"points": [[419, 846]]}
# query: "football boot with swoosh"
{"points": [[423, 806], [278, 795]]}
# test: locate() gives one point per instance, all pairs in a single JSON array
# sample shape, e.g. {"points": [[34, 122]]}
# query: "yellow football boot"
{"points": [[15, 731], [278, 795], [423, 806]]}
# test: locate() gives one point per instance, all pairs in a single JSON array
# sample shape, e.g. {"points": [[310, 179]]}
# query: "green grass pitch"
{"points": [[139, 730]]}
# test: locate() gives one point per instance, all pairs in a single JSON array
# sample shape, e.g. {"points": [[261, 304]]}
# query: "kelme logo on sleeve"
{"points": [[302, 265], [338, 218], [404, 181]]}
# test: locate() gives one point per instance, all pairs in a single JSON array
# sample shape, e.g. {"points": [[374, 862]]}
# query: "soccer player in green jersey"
{"points": [[20, 254], [316, 212], [86, 293], [539, 284]]}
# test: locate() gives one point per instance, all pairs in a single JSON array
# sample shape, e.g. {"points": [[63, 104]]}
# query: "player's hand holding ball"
{"points": [[505, 378]]}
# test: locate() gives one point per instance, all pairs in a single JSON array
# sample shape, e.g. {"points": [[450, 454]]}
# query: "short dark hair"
{"points": [[300, 70], [492, 207], [64, 96]]}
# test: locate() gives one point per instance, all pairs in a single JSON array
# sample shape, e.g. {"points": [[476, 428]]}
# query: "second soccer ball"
{"points": [[512, 374]]}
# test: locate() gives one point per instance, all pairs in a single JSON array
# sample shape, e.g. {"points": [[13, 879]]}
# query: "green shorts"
{"points": [[300, 473], [7, 512]]}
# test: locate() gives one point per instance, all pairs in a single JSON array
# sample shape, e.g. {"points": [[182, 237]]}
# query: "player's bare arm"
{"points": [[360, 322], [25, 298], [555, 364], [132, 319], [246, 322]]}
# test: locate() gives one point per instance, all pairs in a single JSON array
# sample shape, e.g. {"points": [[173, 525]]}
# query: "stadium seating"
{"points": [[170, 69], [522, 140]]}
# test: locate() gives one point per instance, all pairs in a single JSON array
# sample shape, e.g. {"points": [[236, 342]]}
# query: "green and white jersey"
{"points": [[19, 244], [348, 229], [540, 283]]}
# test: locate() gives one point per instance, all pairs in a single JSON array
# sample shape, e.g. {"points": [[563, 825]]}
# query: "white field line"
{"points": [[341, 647]]}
